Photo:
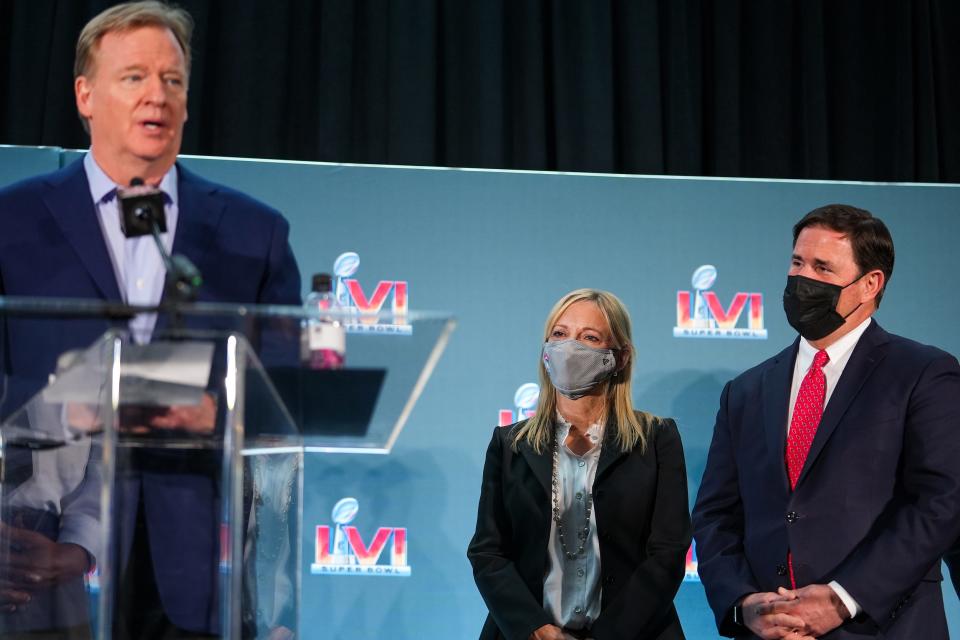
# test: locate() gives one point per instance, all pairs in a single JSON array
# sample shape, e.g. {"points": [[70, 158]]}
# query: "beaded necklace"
{"points": [[588, 506]]}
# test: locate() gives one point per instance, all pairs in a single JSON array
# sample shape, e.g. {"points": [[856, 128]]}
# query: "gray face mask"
{"points": [[574, 368]]}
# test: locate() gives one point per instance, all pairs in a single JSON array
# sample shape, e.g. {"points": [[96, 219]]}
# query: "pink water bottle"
{"points": [[323, 344]]}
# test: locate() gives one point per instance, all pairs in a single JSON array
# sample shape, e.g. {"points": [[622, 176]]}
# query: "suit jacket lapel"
{"points": [[609, 452], [198, 219], [775, 396], [199, 216], [71, 205], [540, 463], [867, 354]]}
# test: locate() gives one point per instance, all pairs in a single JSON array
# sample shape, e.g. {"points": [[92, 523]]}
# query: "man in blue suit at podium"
{"points": [[62, 238]]}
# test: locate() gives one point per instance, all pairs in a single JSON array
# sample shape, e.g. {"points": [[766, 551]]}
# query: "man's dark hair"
{"points": [[869, 237]]}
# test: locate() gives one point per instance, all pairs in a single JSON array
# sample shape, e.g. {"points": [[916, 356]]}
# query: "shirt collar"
{"points": [[838, 349], [101, 185], [594, 431]]}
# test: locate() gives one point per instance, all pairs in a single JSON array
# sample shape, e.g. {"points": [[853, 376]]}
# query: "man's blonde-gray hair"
{"points": [[127, 16]]}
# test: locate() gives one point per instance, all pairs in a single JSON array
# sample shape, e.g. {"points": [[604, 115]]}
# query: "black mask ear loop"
{"points": [[847, 285]]}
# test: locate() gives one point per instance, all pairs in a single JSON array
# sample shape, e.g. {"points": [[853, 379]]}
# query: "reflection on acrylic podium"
{"points": [[175, 460]]}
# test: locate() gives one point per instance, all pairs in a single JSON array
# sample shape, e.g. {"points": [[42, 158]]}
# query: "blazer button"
{"points": [[792, 517], [610, 580], [781, 570]]}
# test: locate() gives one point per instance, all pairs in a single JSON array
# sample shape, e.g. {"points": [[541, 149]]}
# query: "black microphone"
{"points": [[142, 213], [141, 208]]}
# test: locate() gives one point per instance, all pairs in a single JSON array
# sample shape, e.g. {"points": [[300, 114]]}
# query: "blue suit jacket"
{"points": [[52, 246], [877, 502]]}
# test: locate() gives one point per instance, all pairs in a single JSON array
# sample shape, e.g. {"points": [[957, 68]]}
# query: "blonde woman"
{"points": [[582, 527]]}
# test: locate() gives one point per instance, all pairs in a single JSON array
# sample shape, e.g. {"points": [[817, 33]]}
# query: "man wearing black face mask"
{"points": [[832, 486]]}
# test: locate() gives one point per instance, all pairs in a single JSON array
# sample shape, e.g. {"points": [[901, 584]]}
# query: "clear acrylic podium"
{"points": [[172, 462]]}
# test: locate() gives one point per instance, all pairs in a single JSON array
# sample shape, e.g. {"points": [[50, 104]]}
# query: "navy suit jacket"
{"points": [[953, 564], [877, 502], [51, 245]]}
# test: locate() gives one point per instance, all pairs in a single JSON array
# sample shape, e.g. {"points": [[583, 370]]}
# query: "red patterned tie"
{"points": [[803, 426], [806, 416]]}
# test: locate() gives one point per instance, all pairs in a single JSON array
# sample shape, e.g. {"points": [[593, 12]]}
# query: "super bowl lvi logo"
{"points": [[700, 314], [525, 399], [341, 550], [351, 297]]}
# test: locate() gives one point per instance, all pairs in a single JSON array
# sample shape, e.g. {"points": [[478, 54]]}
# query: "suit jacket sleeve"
{"points": [[279, 342], [509, 600], [4, 365], [281, 280], [923, 520], [952, 560], [642, 604], [718, 524]]}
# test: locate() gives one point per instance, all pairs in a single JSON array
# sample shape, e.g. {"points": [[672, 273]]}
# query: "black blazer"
{"points": [[640, 503], [877, 502]]}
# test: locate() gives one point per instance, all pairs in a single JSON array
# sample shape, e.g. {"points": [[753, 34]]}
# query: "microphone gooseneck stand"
{"points": [[142, 213]]}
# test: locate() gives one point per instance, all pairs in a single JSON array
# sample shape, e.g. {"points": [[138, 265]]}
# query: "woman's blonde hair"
{"points": [[631, 425]]}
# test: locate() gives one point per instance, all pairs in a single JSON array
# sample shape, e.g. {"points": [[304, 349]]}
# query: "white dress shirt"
{"points": [[136, 262], [571, 590], [839, 353]]}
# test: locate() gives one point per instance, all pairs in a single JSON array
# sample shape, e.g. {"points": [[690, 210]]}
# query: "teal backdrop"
{"points": [[497, 249]]}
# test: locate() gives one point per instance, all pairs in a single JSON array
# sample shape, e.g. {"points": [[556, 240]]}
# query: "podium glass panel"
{"points": [[363, 407], [157, 480]]}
